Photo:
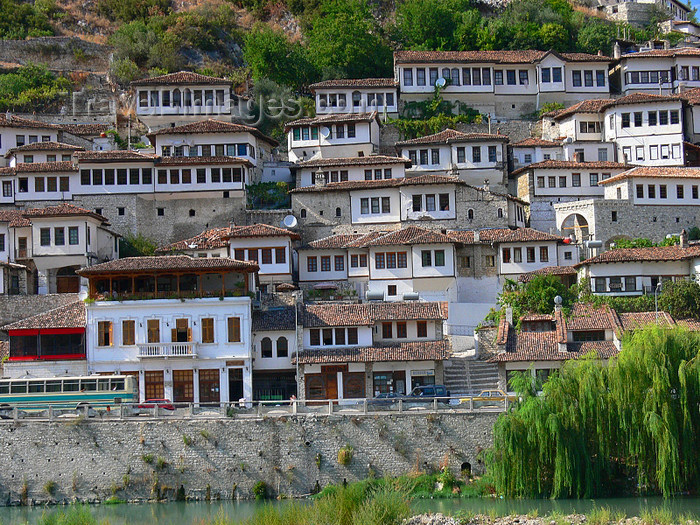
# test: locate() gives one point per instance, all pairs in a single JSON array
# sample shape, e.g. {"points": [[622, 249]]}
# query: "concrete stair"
{"points": [[469, 376]]}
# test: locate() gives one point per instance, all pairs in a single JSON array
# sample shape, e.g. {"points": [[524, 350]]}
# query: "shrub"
{"points": [[345, 455], [50, 487], [147, 458], [260, 490], [161, 463]]}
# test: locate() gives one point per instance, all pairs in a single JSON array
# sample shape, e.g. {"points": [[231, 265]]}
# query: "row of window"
{"points": [[281, 345], [382, 260], [29, 159], [390, 260], [428, 202], [209, 150], [339, 100], [263, 255], [177, 98], [338, 131], [476, 76], [402, 329], [41, 184], [375, 205], [661, 118], [312, 263], [585, 78], [530, 252], [135, 176], [469, 76], [663, 191], [21, 140], [656, 77], [378, 174], [656, 152], [562, 180], [181, 333], [333, 336], [59, 236], [617, 284]]}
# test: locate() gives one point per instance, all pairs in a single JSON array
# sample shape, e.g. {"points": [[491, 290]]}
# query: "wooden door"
{"points": [[67, 284], [331, 381]]}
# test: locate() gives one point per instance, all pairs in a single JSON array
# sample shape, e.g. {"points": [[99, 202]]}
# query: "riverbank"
{"points": [[601, 516]]}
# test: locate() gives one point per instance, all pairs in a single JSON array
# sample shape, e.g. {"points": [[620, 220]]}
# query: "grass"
{"points": [[75, 515]]}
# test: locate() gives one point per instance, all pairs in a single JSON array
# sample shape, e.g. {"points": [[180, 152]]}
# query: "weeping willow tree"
{"points": [[632, 425]]}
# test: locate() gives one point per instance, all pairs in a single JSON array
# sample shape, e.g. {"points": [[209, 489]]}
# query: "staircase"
{"points": [[469, 376]]}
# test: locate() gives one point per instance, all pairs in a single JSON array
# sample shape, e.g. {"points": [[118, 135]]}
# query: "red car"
{"points": [[165, 404]]}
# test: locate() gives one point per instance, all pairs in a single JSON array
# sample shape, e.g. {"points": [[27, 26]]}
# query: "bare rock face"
{"points": [[431, 519]]}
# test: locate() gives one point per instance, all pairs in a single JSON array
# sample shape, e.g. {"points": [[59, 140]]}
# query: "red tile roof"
{"points": [[659, 172], [71, 315], [260, 230], [41, 167], [528, 56], [549, 270], [412, 351], [62, 210], [355, 83], [333, 118], [383, 183], [572, 165], [333, 242], [371, 160], [45, 146], [585, 316], [543, 346], [449, 136], [200, 161], [655, 53], [215, 126], [499, 235], [533, 142], [85, 130], [207, 240], [114, 156], [655, 253], [585, 106], [8, 120], [410, 235], [366, 314], [168, 263], [636, 320], [182, 78]]}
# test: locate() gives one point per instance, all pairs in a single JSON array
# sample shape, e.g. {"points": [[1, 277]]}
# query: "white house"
{"points": [[17, 131], [363, 350], [182, 97], [660, 71], [41, 152], [373, 167], [274, 344], [503, 84], [333, 135], [363, 95], [182, 325], [474, 157], [532, 150]]}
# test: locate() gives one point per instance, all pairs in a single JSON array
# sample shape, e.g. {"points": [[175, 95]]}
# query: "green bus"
{"points": [[68, 392]]}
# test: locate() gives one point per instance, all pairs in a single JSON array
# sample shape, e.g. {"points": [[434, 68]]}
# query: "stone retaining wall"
{"points": [[91, 461]]}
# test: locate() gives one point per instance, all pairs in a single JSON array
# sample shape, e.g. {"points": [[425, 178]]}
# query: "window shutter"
{"points": [[109, 343], [173, 335], [189, 335]]}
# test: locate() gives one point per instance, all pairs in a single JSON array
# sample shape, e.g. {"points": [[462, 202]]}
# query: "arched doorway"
{"points": [[67, 281], [576, 225]]}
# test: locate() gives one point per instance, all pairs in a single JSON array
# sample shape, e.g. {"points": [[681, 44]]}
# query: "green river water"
{"points": [[193, 513]]}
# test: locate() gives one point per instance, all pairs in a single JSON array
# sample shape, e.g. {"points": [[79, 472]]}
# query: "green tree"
{"points": [[469, 30], [30, 88], [536, 296], [429, 24], [129, 10], [269, 54], [132, 245], [554, 36], [595, 35], [20, 20], [681, 299], [626, 426], [148, 44], [346, 42]]}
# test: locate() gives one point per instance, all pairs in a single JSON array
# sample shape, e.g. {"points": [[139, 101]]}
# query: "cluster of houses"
{"points": [[390, 254]]}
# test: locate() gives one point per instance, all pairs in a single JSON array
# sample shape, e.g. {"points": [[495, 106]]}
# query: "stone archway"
{"points": [[67, 281], [575, 224]]}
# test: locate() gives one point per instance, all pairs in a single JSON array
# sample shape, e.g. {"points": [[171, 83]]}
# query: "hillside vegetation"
{"points": [[296, 42]]}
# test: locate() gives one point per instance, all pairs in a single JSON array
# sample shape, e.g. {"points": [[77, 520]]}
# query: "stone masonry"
{"points": [[94, 460]]}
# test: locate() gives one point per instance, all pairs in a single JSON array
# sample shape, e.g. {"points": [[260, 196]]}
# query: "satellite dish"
{"points": [[290, 221], [192, 246], [325, 132], [82, 295], [440, 83]]}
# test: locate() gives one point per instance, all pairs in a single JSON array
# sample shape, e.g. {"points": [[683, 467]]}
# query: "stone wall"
{"points": [[139, 459], [60, 53]]}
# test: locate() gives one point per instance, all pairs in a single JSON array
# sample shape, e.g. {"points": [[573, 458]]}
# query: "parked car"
{"points": [[165, 404], [430, 391], [490, 398]]}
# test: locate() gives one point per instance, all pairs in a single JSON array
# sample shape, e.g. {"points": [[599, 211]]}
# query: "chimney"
{"points": [[477, 236], [667, 44], [617, 51], [509, 315], [684, 238], [486, 184], [320, 179]]}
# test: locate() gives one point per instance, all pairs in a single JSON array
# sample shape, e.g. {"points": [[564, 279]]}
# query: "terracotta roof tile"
{"points": [[665, 172], [549, 270], [371, 160], [499, 235], [689, 324], [61, 210], [572, 165], [167, 263], [112, 156], [215, 126], [636, 320], [449, 136], [333, 242], [355, 83], [13, 121], [411, 235], [532, 142], [182, 78], [85, 130], [655, 253], [383, 183], [543, 346], [332, 118], [527, 56], [200, 161], [655, 53], [45, 146], [366, 314], [273, 320], [207, 240], [411, 351], [42, 167], [260, 230], [585, 106], [585, 316], [71, 315]]}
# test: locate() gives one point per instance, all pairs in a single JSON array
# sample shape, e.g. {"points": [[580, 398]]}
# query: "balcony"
{"points": [[166, 350]]}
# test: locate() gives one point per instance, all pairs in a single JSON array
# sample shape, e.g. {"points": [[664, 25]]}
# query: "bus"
{"points": [[68, 392]]}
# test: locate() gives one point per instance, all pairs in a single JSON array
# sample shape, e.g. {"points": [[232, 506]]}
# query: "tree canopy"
{"points": [[631, 426]]}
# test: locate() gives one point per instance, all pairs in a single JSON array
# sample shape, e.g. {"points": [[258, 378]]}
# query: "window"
{"points": [[408, 77], [546, 75], [517, 255], [523, 77], [588, 78], [417, 202], [639, 152], [510, 77], [129, 333], [379, 261], [51, 184], [266, 348], [505, 255], [435, 156], [576, 180], [374, 201], [651, 191], [476, 154], [613, 215], [325, 263], [386, 205], [352, 336], [38, 184], [637, 119], [675, 118], [387, 330], [551, 182], [625, 120], [314, 337], [207, 330], [339, 263], [663, 194], [45, 236], [530, 251], [556, 74], [430, 203], [663, 118], [652, 118], [311, 264], [544, 254], [489, 261], [420, 76], [593, 179], [600, 78], [364, 206], [630, 284], [695, 192], [492, 153], [562, 181], [424, 157], [234, 329], [426, 258], [439, 257], [444, 201], [576, 78], [59, 236], [640, 191], [422, 328], [498, 77], [104, 333], [401, 331], [7, 188]]}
